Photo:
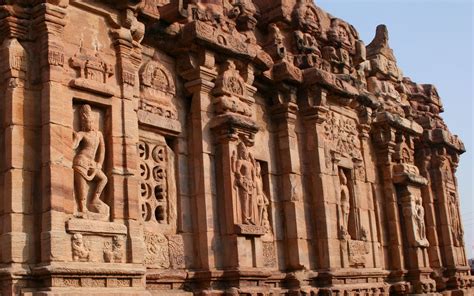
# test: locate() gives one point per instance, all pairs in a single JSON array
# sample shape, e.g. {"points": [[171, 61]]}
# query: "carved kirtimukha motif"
{"points": [[87, 166]]}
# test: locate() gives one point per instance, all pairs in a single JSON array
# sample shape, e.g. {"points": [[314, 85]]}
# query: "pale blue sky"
{"points": [[433, 42]]}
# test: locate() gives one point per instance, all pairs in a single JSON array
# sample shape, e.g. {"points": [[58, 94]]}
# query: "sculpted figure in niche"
{"points": [[420, 220], [87, 167], [457, 231], [262, 200], [416, 213], [244, 170], [345, 203]]}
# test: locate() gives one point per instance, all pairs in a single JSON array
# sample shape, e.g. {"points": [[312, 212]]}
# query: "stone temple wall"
{"points": [[218, 147]]}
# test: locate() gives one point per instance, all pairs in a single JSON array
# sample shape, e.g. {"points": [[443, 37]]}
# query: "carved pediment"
{"points": [[157, 89], [154, 76]]}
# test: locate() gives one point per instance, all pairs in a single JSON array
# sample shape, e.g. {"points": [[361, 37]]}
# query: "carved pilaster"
{"points": [[402, 183], [199, 76]]}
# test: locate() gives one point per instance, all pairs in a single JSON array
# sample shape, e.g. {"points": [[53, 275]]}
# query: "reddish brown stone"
{"points": [[219, 147]]}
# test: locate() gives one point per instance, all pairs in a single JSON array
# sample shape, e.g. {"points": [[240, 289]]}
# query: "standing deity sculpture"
{"points": [[416, 213], [345, 204], [420, 220], [244, 170], [87, 167], [262, 200], [456, 228]]}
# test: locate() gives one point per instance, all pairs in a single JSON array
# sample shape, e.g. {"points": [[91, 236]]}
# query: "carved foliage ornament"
{"points": [[164, 251]]}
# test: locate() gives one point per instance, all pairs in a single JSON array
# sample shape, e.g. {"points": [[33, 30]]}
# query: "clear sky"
{"points": [[433, 41]]}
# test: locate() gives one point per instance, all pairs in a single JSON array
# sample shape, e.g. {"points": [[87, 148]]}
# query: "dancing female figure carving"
{"points": [[87, 167]]}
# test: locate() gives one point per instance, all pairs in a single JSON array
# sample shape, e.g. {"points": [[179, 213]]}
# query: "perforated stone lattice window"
{"points": [[153, 182]]}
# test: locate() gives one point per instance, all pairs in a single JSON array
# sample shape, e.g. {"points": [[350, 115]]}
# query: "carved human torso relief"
{"points": [[87, 164]]}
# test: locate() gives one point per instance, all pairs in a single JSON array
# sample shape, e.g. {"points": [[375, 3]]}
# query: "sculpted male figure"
{"points": [[87, 166], [345, 203]]}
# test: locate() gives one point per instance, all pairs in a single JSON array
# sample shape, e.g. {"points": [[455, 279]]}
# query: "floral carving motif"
{"points": [[164, 251], [157, 250], [269, 254]]}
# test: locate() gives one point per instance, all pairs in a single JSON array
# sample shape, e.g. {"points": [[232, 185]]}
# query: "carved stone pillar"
{"points": [[441, 167], [320, 174], [284, 115], [19, 129], [404, 209], [200, 84], [246, 229], [57, 181]]}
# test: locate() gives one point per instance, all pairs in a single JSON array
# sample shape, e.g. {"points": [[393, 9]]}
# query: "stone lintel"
{"points": [[249, 230], [95, 227], [167, 125]]}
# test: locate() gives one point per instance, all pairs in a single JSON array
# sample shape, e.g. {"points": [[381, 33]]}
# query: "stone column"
{"points": [[124, 133], [19, 113], [200, 84], [402, 185], [443, 193], [57, 182], [284, 115], [327, 240]]}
